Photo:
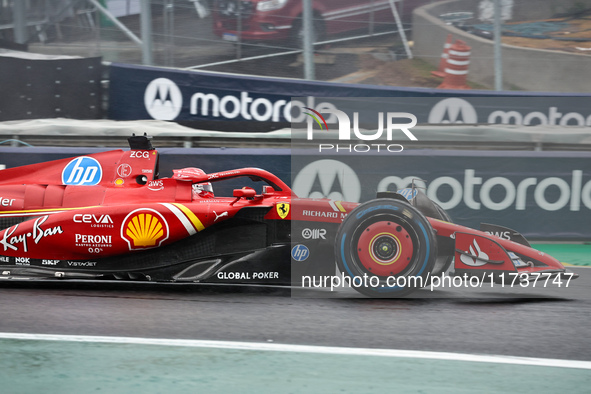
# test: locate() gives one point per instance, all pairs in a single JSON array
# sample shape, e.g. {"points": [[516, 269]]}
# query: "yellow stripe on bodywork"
{"points": [[340, 206], [191, 216]]}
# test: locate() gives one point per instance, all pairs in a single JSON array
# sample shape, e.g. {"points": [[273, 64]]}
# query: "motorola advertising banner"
{"points": [[543, 195], [139, 92], [353, 150]]}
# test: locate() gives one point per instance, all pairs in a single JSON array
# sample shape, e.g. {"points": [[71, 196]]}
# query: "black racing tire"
{"points": [[384, 239], [443, 260]]}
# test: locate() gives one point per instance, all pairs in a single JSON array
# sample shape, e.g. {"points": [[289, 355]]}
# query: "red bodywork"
{"points": [[126, 210], [113, 203], [495, 248]]}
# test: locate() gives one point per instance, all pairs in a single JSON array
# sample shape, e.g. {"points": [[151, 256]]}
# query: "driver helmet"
{"points": [[203, 190]]}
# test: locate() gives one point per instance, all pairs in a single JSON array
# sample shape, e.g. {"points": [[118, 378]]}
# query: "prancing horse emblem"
{"points": [[282, 210]]}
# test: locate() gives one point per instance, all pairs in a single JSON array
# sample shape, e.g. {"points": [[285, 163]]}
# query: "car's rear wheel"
{"points": [[387, 245]]}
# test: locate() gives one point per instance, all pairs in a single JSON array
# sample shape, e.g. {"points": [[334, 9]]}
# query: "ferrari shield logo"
{"points": [[282, 210]]}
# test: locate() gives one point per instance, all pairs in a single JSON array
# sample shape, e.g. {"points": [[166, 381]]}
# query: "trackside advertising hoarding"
{"points": [[543, 195], [138, 92]]}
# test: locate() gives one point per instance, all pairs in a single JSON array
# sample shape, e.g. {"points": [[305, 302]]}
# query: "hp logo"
{"points": [[82, 171], [300, 252]]}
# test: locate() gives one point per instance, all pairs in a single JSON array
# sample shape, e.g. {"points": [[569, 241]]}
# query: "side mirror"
{"points": [[245, 192]]}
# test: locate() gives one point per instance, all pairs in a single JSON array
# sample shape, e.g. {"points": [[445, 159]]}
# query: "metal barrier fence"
{"points": [[197, 33]]}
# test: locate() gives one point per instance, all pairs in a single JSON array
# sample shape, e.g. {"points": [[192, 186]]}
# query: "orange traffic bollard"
{"points": [[444, 55], [456, 70]]}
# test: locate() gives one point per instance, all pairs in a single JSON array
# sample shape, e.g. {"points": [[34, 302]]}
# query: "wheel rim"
{"points": [[384, 248]]}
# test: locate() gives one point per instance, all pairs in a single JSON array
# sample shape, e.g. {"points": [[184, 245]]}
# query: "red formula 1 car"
{"points": [[109, 216]]}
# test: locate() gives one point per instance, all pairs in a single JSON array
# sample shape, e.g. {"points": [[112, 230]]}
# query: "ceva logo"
{"points": [[163, 99], [453, 110], [82, 171]]}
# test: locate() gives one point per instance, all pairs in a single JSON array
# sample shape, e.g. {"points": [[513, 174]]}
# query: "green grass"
{"points": [[423, 69], [576, 254]]}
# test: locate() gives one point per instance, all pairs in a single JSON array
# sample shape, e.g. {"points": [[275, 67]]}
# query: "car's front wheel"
{"points": [[388, 246]]}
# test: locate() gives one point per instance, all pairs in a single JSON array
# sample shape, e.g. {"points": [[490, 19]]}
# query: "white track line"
{"points": [[275, 347]]}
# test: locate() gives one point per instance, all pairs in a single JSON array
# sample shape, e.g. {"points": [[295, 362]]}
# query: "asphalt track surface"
{"points": [[542, 322]]}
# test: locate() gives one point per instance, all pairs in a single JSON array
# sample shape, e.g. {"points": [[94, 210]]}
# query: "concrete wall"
{"points": [[523, 68]]}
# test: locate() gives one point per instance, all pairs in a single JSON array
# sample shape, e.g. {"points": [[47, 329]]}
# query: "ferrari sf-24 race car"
{"points": [[108, 216]]}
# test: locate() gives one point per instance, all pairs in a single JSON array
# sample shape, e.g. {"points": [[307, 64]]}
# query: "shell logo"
{"points": [[144, 228]]}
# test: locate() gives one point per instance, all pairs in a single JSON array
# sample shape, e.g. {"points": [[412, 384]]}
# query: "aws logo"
{"points": [[163, 99], [144, 228]]}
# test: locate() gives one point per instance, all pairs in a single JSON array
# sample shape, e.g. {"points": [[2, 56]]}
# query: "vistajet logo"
{"points": [[344, 130]]}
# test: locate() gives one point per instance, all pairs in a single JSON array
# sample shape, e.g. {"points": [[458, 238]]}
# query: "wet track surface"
{"points": [[545, 323]]}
